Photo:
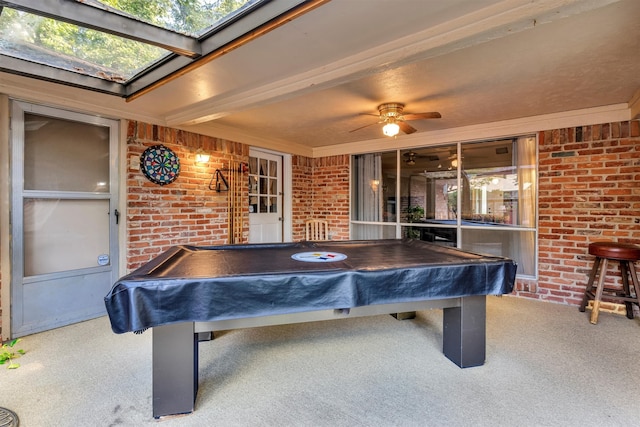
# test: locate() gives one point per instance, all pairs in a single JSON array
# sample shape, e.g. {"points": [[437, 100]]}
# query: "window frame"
{"points": [[355, 225]]}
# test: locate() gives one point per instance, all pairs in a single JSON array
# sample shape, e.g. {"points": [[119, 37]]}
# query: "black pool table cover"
{"points": [[200, 284]]}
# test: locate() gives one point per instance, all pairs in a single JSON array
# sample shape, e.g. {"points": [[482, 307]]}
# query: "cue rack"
{"points": [[233, 185]]}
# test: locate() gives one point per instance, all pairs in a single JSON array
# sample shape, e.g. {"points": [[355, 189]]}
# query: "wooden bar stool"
{"points": [[626, 254]]}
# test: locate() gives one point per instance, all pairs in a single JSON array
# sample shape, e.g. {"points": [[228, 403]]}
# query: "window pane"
{"points": [[63, 155], [191, 17], [73, 48], [64, 235], [253, 185], [514, 244], [373, 231], [374, 187], [264, 204], [253, 165], [253, 204], [445, 236], [428, 185], [499, 182]]}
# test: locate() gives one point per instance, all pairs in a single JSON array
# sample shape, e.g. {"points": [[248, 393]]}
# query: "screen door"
{"points": [[63, 217]]}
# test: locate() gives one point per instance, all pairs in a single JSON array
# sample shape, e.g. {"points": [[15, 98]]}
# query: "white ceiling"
{"points": [[303, 85]]}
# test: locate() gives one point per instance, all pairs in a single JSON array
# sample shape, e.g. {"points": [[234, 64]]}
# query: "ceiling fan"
{"points": [[411, 157], [395, 119]]}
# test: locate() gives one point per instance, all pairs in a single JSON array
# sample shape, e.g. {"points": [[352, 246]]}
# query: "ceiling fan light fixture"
{"points": [[395, 119], [391, 129]]}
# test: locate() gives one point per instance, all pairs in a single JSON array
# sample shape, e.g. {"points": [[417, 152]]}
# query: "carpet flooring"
{"points": [[546, 366]]}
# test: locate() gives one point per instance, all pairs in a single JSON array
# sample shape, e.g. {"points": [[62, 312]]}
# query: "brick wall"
{"points": [[185, 211], [321, 190], [331, 194], [302, 197], [589, 191]]}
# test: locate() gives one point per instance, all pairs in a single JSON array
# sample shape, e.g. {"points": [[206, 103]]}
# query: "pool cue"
{"points": [[230, 206]]}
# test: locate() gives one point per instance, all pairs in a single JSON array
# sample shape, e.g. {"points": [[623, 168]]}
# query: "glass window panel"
{"points": [[264, 167], [62, 235], [253, 165], [273, 168], [191, 17], [373, 231], [264, 188], [253, 184], [515, 244], [499, 182], [273, 204], [264, 204], [73, 48], [374, 187], [253, 204], [273, 186], [63, 155], [445, 236], [428, 185]]}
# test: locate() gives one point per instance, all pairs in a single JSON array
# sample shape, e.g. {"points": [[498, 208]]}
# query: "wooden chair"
{"points": [[317, 229]]}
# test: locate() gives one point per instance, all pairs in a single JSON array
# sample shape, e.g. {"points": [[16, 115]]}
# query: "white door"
{"points": [[64, 255], [265, 197]]}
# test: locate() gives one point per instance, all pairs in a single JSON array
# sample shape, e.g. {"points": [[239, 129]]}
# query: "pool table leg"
{"points": [[175, 369], [464, 332]]}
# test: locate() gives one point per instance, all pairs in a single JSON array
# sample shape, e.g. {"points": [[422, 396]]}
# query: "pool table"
{"points": [[188, 291]]}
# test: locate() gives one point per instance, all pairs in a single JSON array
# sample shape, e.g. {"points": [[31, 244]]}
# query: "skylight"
{"points": [[121, 46], [74, 48]]}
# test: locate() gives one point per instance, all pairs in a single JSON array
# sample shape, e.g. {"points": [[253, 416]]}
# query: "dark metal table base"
{"points": [[175, 347]]}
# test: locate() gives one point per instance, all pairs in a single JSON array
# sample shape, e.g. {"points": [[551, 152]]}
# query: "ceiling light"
{"points": [[391, 129]]}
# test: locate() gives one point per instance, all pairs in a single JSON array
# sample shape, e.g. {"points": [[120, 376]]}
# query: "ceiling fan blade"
{"points": [[362, 127], [406, 128], [418, 116]]}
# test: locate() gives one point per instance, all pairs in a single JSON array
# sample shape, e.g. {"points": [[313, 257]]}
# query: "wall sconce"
{"points": [[391, 128], [202, 157]]}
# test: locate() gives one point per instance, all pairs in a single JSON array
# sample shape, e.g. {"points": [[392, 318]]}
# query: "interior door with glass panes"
{"points": [[64, 255], [265, 197]]}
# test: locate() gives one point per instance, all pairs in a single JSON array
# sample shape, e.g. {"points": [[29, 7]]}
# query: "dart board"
{"points": [[160, 165]]}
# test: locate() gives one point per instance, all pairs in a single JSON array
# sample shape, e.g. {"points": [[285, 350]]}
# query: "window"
{"points": [[120, 47], [263, 185], [478, 196], [373, 197]]}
